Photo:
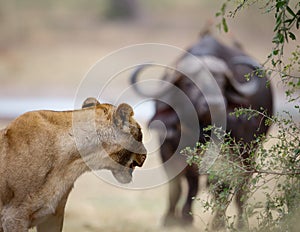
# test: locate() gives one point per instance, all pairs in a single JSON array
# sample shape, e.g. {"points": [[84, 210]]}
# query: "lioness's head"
{"points": [[121, 138]]}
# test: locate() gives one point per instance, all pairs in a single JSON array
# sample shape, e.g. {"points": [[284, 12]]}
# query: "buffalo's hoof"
{"points": [[241, 224], [218, 224], [170, 220], [187, 219]]}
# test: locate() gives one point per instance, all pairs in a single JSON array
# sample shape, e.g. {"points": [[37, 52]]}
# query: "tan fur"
{"points": [[42, 153]]}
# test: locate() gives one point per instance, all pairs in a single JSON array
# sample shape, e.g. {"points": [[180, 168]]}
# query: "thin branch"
{"points": [[238, 8], [273, 173]]}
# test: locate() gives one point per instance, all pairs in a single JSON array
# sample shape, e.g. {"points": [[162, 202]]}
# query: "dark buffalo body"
{"points": [[235, 95]]}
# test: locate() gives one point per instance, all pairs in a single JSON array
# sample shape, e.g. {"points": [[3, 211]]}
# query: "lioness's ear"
{"points": [[122, 115], [90, 102]]}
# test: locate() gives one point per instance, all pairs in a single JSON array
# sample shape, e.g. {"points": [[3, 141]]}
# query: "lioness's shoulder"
{"points": [[35, 122]]}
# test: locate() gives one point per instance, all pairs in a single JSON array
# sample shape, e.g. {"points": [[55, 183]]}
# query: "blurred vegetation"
{"points": [[279, 163], [19, 18]]}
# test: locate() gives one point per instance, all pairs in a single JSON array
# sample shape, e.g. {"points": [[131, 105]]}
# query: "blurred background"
{"points": [[46, 49]]}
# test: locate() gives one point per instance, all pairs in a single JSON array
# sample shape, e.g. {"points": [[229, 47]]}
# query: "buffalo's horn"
{"points": [[248, 88], [246, 60], [192, 65], [134, 78], [134, 81]]}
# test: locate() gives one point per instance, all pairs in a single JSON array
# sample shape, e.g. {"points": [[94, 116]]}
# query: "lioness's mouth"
{"points": [[123, 176], [124, 170], [134, 164]]}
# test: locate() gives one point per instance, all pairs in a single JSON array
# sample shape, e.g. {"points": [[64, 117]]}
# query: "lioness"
{"points": [[42, 153]]}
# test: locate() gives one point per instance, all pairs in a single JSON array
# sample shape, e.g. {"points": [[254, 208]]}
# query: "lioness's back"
{"points": [[3, 191], [28, 146], [2, 151]]}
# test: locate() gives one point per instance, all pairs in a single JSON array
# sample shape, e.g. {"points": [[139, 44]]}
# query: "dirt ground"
{"points": [[46, 55]]}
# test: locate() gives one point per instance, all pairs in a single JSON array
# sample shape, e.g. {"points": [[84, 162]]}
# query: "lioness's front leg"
{"points": [[14, 219], [54, 223], [1, 229]]}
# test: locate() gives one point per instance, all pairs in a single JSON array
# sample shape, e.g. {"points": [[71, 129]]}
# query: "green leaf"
{"points": [[278, 23], [290, 11], [280, 4], [289, 21], [292, 36], [280, 38], [225, 26], [223, 8]]}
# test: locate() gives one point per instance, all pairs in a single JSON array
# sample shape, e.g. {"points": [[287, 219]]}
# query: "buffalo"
{"points": [[228, 66]]}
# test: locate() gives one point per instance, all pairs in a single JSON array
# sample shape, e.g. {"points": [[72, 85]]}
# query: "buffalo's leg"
{"points": [[174, 195], [192, 177], [240, 198], [221, 195]]}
